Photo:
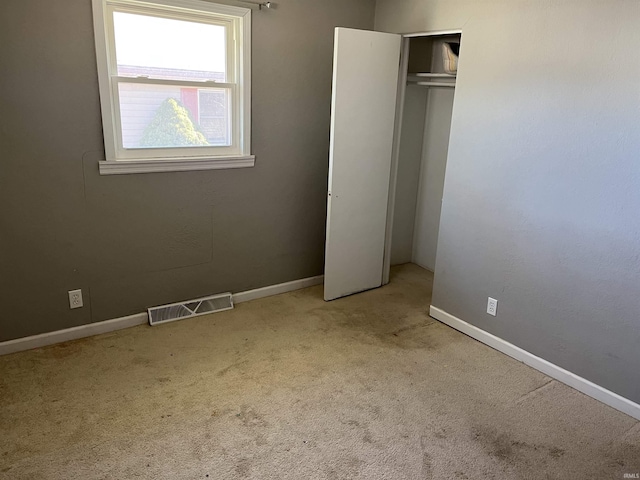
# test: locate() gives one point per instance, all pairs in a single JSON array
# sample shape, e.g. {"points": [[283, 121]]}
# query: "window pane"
{"points": [[169, 49], [154, 116], [214, 113]]}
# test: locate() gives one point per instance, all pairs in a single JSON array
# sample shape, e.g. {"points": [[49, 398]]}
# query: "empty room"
{"points": [[302, 239]]}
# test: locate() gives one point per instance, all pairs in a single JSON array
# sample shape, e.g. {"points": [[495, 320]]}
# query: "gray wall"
{"points": [[135, 241], [542, 190]]}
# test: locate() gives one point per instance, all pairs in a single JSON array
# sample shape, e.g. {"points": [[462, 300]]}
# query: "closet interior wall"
{"points": [[424, 141]]}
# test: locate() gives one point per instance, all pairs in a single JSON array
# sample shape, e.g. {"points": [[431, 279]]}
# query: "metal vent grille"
{"points": [[190, 308]]}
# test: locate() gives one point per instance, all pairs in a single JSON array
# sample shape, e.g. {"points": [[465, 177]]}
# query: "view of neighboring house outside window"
{"points": [[207, 108]]}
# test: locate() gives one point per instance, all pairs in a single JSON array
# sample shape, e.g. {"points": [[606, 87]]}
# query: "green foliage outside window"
{"points": [[172, 126]]}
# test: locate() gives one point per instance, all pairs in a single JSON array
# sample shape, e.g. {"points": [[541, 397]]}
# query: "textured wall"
{"points": [[133, 241], [542, 189]]}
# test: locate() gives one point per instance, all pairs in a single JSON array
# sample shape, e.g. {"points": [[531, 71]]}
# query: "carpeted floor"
{"points": [[291, 387]]}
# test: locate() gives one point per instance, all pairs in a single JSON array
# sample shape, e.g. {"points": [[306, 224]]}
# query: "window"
{"points": [[175, 87]]}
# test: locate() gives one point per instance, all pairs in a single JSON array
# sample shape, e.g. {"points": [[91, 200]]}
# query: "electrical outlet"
{"points": [[492, 306], [75, 298]]}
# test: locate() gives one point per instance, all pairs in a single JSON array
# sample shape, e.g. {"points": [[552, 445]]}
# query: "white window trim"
{"points": [[182, 159]]}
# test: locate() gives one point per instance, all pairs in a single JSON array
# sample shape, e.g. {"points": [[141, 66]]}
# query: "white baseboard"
{"points": [[277, 289], [59, 336], [73, 333], [581, 384]]}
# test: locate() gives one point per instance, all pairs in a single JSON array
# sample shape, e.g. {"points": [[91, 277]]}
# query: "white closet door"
{"points": [[363, 106]]}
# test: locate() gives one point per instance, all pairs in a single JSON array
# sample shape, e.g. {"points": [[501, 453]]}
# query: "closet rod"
{"points": [[432, 75], [433, 84]]}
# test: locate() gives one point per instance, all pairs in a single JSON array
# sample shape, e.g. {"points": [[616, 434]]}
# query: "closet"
{"points": [[388, 150], [423, 145]]}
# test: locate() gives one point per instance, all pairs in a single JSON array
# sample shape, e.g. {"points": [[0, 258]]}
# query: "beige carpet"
{"points": [[291, 387]]}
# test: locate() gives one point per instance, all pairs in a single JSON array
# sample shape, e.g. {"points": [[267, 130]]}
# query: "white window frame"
{"points": [[141, 160]]}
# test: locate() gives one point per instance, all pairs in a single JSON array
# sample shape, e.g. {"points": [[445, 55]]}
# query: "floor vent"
{"points": [[190, 308]]}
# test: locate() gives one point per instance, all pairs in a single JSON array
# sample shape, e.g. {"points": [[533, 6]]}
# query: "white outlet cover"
{"points": [[75, 299], [492, 306]]}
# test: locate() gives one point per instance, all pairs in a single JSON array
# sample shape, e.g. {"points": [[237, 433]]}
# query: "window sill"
{"points": [[118, 167]]}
